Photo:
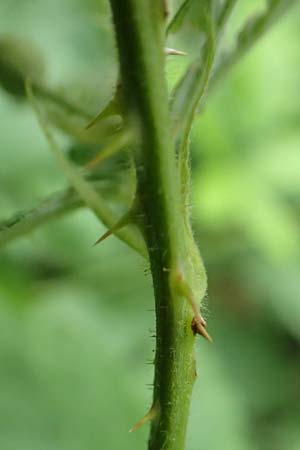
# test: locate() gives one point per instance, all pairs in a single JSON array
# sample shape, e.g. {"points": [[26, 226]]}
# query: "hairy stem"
{"points": [[199, 83], [140, 38]]}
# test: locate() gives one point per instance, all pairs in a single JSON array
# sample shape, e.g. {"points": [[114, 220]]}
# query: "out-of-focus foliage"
{"points": [[75, 323]]}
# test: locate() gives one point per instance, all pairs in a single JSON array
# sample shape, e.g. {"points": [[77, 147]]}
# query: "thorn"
{"points": [[198, 323], [151, 414], [139, 423], [108, 110], [202, 320], [117, 143], [199, 327], [122, 222], [93, 121], [105, 235], [173, 51], [111, 108]]}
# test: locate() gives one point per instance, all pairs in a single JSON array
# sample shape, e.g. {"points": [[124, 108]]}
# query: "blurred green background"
{"points": [[76, 321]]}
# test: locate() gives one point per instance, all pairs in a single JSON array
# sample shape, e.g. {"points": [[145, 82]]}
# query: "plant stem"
{"points": [[140, 38], [198, 86], [24, 222], [55, 206]]}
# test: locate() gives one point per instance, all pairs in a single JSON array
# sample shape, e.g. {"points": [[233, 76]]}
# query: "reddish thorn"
{"points": [[198, 327], [104, 236]]}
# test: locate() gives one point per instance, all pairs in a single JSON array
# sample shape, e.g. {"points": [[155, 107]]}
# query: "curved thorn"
{"points": [[122, 222], [106, 112], [199, 328], [198, 323], [111, 108], [151, 414], [116, 145]]}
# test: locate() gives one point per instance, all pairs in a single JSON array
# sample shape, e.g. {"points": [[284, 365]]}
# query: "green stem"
{"points": [[140, 38], [199, 83], [24, 222], [53, 207]]}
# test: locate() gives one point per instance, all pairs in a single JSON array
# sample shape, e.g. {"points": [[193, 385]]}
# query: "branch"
{"points": [[53, 207], [139, 27]]}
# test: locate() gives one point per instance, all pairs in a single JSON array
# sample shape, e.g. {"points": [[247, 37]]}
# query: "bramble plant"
{"points": [[146, 202]]}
